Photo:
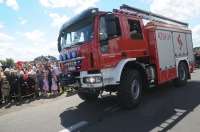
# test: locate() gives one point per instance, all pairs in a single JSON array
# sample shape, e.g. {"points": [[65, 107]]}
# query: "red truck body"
{"points": [[107, 56]]}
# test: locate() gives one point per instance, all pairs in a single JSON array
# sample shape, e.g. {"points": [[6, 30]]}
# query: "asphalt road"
{"points": [[167, 108]]}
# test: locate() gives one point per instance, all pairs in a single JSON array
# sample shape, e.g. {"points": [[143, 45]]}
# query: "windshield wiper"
{"points": [[78, 43], [67, 47], [74, 45]]}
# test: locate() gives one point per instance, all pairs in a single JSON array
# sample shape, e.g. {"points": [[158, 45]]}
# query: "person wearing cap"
{"points": [[5, 89]]}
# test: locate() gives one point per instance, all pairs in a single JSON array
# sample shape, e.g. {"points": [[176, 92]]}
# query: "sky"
{"points": [[29, 28]]}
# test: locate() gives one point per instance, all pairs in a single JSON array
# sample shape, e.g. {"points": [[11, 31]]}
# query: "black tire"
{"points": [[130, 88], [88, 96], [182, 75]]}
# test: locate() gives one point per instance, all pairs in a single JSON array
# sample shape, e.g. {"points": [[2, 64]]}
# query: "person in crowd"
{"points": [[14, 85], [23, 86], [5, 89], [54, 86], [45, 85], [49, 76], [1, 98], [1, 73], [18, 73], [1, 76], [37, 85], [31, 84], [34, 69], [57, 71], [39, 76], [7, 74], [29, 68]]}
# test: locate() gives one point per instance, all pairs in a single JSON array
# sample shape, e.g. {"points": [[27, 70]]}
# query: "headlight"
{"points": [[96, 79]]}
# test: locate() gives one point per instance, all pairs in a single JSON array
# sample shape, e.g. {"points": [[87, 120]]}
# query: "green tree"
{"points": [[3, 62], [9, 62]]}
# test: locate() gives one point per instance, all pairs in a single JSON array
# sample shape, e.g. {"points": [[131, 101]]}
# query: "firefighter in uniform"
{"points": [[31, 84], [14, 85], [23, 85]]}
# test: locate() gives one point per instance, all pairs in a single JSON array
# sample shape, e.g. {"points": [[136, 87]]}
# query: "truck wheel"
{"points": [[88, 96], [130, 88], [182, 75]]}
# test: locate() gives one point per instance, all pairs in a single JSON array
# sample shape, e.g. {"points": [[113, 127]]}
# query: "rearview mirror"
{"points": [[58, 41], [110, 24]]}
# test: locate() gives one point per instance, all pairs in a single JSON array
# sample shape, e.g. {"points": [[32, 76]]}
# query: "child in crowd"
{"points": [[45, 85], [54, 86], [5, 89]]}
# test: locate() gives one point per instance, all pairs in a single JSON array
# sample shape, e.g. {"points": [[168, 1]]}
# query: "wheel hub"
{"points": [[135, 89]]}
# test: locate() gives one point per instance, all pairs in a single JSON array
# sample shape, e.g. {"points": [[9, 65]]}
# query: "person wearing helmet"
{"points": [[7, 70], [7, 74]]}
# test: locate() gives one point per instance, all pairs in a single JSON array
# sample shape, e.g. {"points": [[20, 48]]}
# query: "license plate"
{"points": [[71, 68]]}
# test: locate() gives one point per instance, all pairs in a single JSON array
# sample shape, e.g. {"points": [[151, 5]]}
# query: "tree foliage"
{"points": [[8, 62]]}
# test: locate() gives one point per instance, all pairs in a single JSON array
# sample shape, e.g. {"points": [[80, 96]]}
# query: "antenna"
{"points": [[125, 9]]}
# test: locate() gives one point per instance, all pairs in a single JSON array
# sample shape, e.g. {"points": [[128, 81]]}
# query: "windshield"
{"points": [[79, 33]]}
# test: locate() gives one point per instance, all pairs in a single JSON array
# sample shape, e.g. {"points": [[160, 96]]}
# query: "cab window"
{"points": [[135, 29]]}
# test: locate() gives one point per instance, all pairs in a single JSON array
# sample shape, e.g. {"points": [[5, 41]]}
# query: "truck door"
{"points": [[110, 45], [136, 41]]}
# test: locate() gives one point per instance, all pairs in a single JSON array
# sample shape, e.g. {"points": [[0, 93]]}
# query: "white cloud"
{"points": [[6, 37], [147, 1], [57, 19], [27, 52], [1, 1], [1, 25], [35, 35], [58, 3], [196, 35], [178, 9], [2, 45], [84, 4], [22, 21], [13, 4], [79, 4]]}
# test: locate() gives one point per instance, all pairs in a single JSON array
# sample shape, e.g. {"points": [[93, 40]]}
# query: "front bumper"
{"points": [[84, 80]]}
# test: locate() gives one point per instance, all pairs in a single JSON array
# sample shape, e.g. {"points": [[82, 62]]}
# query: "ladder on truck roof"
{"points": [[149, 16]]}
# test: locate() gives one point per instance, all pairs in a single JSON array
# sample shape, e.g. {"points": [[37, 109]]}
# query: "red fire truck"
{"points": [[115, 52]]}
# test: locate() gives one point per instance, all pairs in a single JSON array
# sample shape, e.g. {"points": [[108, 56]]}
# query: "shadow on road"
{"points": [[160, 110]]}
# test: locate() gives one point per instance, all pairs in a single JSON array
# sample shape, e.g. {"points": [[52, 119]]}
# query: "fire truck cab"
{"points": [[116, 52]]}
